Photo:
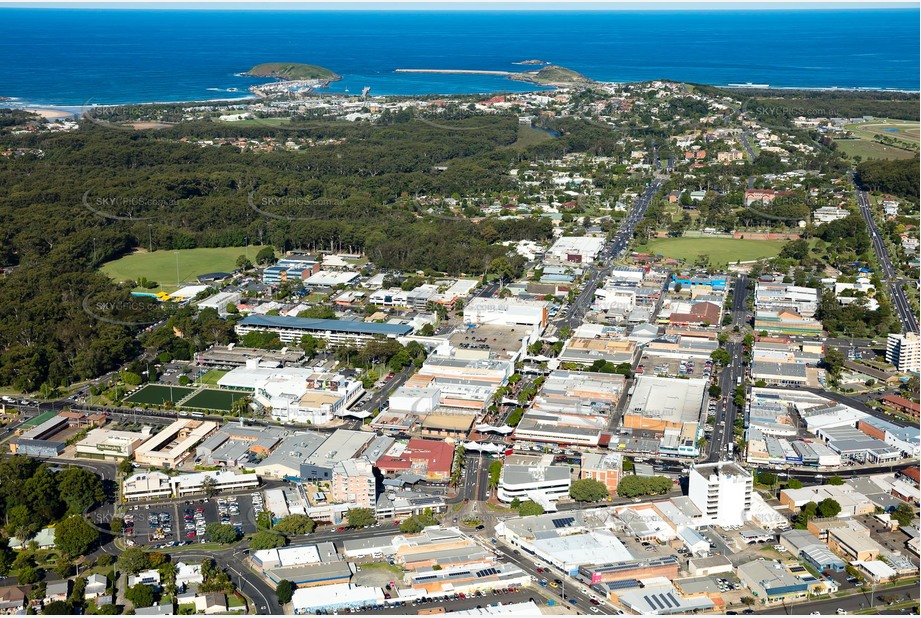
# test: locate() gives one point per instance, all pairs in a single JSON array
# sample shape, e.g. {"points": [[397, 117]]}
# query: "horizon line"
{"points": [[468, 5]]}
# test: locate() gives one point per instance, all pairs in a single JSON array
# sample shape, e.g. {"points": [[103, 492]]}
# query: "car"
{"points": [[540, 570], [554, 585], [815, 613], [841, 612], [594, 601], [594, 610], [573, 601], [748, 612]]}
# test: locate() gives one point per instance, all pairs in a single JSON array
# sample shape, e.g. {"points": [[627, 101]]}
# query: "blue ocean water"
{"points": [[72, 56]]}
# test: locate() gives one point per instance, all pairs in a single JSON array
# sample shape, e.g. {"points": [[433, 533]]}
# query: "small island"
{"points": [[533, 61], [289, 71], [552, 76]]}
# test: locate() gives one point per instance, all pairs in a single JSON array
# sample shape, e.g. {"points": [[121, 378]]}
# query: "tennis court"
{"points": [[157, 394], [212, 399]]}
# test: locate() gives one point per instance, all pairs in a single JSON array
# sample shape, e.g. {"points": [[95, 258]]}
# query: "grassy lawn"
{"points": [[528, 136], [160, 266], [384, 566], [907, 130], [212, 376], [720, 250], [157, 394], [211, 399], [868, 149]]}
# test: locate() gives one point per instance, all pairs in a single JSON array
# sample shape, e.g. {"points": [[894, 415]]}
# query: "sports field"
{"points": [[157, 394], [905, 132], [38, 420], [211, 399], [869, 149], [161, 266], [720, 250]]}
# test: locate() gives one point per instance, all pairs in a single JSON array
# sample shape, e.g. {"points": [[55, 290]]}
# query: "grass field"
{"points": [[38, 420], [868, 149], [212, 399], [720, 250], [907, 130], [157, 395], [212, 376], [528, 136], [160, 266]]}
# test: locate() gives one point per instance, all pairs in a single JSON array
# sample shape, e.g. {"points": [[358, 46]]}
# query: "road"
{"points": [[890, 275], [748, 147], [850, 604], [724, 418]]}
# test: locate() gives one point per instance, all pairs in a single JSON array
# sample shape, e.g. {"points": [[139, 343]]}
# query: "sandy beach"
{"points": [[48, 114]]}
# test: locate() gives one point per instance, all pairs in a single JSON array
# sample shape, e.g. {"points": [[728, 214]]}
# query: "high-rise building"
{"points": [[904, 351], [353, 482], [722, 491]]}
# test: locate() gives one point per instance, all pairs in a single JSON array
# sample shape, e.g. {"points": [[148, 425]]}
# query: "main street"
{"points": [[850, 604], [890, 275]]}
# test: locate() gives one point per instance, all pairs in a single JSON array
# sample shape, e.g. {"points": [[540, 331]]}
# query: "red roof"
{"points": [[914, 473], [700, 313], [435, 455], [901, 402]]}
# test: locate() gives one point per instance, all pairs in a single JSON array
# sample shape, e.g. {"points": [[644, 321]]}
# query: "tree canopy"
{"points": [[632, 486], [588, 490]]}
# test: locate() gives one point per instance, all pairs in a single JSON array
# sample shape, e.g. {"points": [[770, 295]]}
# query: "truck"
{"points": [[431, 610]]}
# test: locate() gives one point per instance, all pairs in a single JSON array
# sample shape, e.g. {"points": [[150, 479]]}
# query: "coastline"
{"points": [[68, 109]]}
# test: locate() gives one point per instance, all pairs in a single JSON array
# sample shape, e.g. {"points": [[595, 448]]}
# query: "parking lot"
{"points": [[663, 365], [454, 602], [184, 521]]}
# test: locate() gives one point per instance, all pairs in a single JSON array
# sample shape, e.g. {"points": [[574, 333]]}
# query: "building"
{"points": [[770, 296], [174, 444], [827, 214], [541, 482], [49, 438], [14, 599], [779, 374], [772, 581], [152, 485], [787, 322], [292, 268], [853, 545], [336, 332], [341, 445], [431, 460], [904, 351], [285, 461], [902, 405], [507, 312], [335, 597], [237, 444], [576, 249], [722, 491], [353, 482], [112, 445], [220, 301], [297, 395], [605, 468], [670, 406]]}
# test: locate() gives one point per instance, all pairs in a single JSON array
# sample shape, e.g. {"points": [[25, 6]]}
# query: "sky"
{"points": [[478, 5]]}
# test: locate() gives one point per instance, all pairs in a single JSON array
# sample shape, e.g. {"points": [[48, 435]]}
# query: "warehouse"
{"points": [[174, 444]]}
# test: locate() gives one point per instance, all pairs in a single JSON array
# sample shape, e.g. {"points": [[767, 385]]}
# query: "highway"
{"points": [[748, 146], [890, 274]]}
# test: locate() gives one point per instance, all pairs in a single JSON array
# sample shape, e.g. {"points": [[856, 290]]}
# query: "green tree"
{"points": [[28, 575], [714, 391], [141, 595], [794, 484], [132, 560], [495, 471], [360, 517], [828, 508], [79, 489], [209, 486], [266, 540], [74, 536], [834, 480], [903, 514], [721, 356], [107, 610], [284, 590], [265, 520], [767, 478], [295, 524], [266, 255], [125, 467], [224, 534], [632, 486], [529, 507], [588, 490], [56, 608]]}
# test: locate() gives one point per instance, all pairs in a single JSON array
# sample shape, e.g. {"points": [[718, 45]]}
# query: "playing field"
{"points": [[161, 266], [720, 250], [38, 420], [157, 394], [211, 399], [869, 149], [907, 130]]}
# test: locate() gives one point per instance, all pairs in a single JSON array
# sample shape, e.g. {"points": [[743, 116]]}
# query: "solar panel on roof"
{"points": [[671, 600], [562, 522]]}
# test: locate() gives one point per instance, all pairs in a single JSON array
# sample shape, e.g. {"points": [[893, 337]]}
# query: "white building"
{"points": [[904, 351], [151, 485], [543, 484], [108, 444], [507, 312], [576, 249], [722, 491]]}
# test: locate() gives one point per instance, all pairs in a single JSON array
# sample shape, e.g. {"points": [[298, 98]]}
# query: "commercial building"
{"points": [[777, 297], [285, 461], [174, 444], [773, 581], [237, 444], [904, 351], [48, 439], [561, 428], [220, 301], [431, 460], [786, 322], [540, 481], [233, 355], [336, 332], [576, 249], [107, 444], [722, 491], [599, 343], [153, 485], [902, 405], [291, 268], [852, 502], [341, 445], [532, 315], [296, 395], [606, 468], [335, 597], [779, 374], [853, 545]]}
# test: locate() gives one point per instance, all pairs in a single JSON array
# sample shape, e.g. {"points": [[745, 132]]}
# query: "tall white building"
{"points": [[722, 491], [904, 351]]}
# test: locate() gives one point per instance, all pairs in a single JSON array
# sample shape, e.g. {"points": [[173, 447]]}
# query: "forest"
{"points": [[99, 193], [898, 177]]}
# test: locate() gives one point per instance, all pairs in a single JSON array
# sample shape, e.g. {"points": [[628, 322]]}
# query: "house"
{"points": [[57, 591], [96, 585], [150, 577], [211, 603], [163, 609], [188, 574], [14, 599], [44, 539], [764, 196]]}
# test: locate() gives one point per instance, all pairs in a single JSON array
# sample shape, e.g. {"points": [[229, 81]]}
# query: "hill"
{"points": [[552, 76], [292, 71]]}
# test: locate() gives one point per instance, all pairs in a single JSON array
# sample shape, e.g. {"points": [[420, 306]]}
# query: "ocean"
{"points": [[73, 57]]}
